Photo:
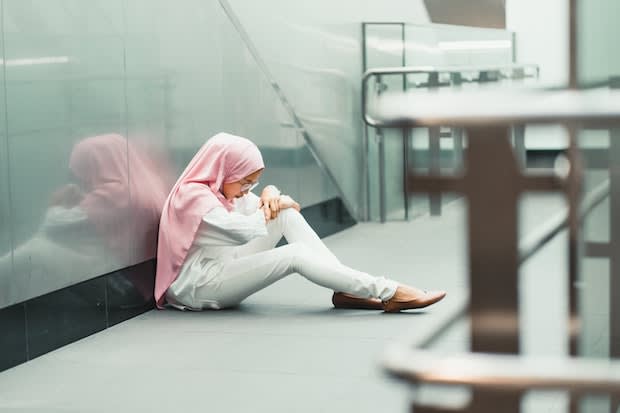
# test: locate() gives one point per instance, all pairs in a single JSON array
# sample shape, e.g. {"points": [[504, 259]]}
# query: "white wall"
{"points": [[542, 37], [541, 29], [599, 33]]}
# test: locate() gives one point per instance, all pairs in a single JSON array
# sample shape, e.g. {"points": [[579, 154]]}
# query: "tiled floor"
{"points": [[285, 349]]}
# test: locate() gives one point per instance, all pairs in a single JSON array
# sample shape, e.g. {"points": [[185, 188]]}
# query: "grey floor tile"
{"points": [[286, 349]]}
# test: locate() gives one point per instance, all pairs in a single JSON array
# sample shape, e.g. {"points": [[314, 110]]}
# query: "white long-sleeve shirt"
{"points": [[218, 234], [220, 231]]}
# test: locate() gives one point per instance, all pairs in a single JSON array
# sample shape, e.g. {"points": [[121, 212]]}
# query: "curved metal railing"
{"points": [[517, 71], [457, 77], [492, 182]]}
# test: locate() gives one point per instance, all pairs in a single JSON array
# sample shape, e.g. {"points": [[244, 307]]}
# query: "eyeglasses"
{"points": [[248, 187]]}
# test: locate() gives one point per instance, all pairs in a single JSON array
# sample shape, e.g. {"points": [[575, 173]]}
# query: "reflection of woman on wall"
{"points": [[124, 191], [126, 186], [86, 231], [217, 239]]}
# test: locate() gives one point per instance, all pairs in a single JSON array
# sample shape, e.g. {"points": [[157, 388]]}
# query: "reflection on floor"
{"points": [[286, 349]]}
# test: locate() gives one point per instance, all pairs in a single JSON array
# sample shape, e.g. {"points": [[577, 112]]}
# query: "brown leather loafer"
{"points": [[394, 305], [342, 300]]}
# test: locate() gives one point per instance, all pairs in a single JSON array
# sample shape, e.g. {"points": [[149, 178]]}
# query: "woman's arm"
{"points": [[272, 201], [288, 202], [234, 227]]}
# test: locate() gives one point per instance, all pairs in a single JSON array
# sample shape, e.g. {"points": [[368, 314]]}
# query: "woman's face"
{"points": [[240, 188]]}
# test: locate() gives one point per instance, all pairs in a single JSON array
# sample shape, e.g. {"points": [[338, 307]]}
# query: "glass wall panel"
{"points": [[385, 48], [427, 46], [315, 58], [598, 57], [64, 65], [182, 89], [173, 63], [599, 296], [107, 103], [255, 110], [6, 258], [598, 61]]}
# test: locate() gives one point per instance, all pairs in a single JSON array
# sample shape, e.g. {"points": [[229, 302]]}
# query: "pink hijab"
{"points": [[222, 159]]}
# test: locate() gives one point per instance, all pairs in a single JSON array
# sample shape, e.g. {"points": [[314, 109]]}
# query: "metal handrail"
{"points": [[505, 106], [426, 70], [434, 134], [529, 246], [503, 372], [512, 374], [453, 69], [559, 222], [607, 111], [486, 371]]}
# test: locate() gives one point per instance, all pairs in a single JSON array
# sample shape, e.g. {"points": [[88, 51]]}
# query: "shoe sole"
{"points": [[395, 307]]}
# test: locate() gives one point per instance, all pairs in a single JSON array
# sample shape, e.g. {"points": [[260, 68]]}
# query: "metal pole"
{"points": [[457, 133], [405, 131], [493, 244], [519, 142], [382, 194], [514, 47], [434, 152], [574, 246], [573, 197], [573, 79], [366, 172], [434, 167], [365, 143], [457, 138], [406, 172], [614, 244], [403, 49], [364, 52], [493, 254]]}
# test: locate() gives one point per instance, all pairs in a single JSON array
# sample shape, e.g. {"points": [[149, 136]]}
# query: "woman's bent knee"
{"points": [[299, 254]]}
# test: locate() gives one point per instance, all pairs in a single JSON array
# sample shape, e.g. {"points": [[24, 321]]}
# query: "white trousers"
{"points": [[258, 264]]}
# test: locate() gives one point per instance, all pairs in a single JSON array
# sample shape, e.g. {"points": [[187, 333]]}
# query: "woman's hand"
{"points": [[288, 202], [270, 202]]}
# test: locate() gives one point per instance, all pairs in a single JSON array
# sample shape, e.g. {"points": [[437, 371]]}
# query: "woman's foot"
{"points": [[409, 298], [342, 300]]}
